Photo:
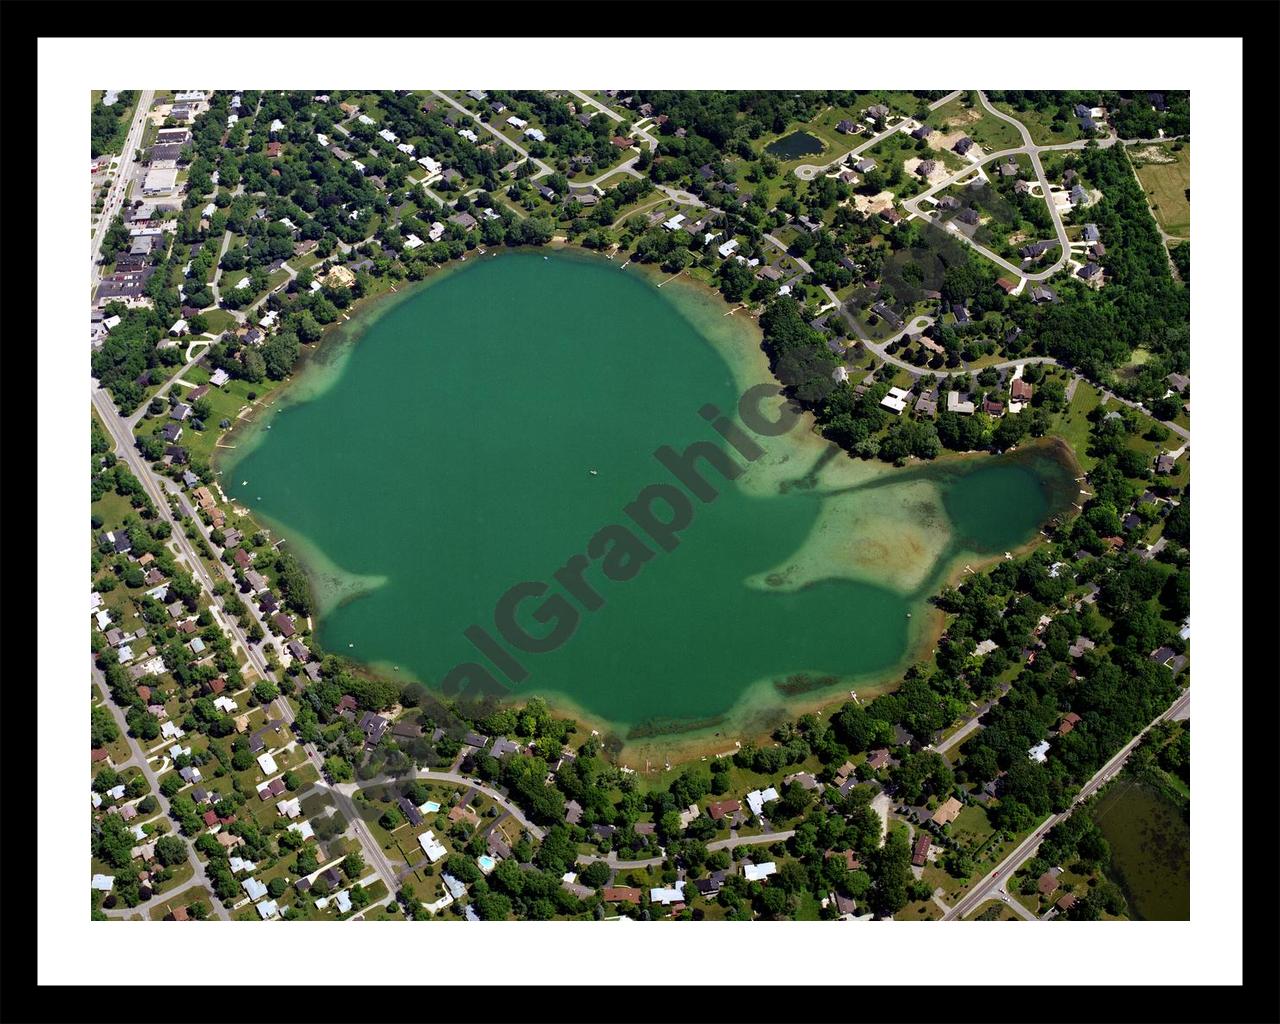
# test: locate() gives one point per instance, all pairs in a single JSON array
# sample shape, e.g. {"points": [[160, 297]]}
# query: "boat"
{"points": [[593, 472]]}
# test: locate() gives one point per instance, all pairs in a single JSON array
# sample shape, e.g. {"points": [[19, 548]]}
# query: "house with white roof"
{"points": [[268, 909], [1038, 752], [343, 899], [255, 889], [468, 134], [238, 864], [666, 895], [366, 119], [535, 134], [267, 763], [412, 241], [290, 808], [388, 135], [759, 872], [102, 883], [431, 165], [728, 248], [896, 400], [757, 798], [406, 148], [674, 223], [303, 829], [431, 846]]}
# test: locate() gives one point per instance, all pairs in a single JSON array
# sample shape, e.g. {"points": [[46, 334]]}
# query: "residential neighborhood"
{"points": [[931, 275]]}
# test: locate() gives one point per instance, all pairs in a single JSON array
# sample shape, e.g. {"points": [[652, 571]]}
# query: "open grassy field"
{"points": [[1165, 174], [965, 113], [1044, 132]]}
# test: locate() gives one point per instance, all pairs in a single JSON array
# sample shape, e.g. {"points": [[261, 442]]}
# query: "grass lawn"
{"points": [[219, 320], [990, 133], [1167, 185], [993, 910], [1073, 425], [920, 910], [1040, 124], [184, 899]]}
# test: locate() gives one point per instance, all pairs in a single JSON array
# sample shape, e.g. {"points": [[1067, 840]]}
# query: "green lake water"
{"points": [[445, 454], [1150, 836]]}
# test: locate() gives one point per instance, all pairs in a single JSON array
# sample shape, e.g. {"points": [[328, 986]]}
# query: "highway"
{"points": [[994, 883]]}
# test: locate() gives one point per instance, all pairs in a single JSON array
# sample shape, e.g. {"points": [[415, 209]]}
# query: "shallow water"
{"points": [[445, 456]]}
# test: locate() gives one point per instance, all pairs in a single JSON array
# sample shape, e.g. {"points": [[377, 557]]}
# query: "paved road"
{"points": [[434, 775], [733, 842], [120, 184], [999, 879], [138, 757], [542, 167]]}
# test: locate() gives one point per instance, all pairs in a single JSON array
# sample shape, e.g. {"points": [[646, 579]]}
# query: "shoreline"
{"points": [[760, 706]]}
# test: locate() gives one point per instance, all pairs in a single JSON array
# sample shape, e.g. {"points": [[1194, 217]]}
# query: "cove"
{"points": [[447, 456]]}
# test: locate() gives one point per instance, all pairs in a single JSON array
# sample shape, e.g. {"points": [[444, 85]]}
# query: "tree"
{"points": [[171, 850]]}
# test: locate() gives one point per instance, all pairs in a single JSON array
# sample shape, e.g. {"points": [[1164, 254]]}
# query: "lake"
{"points": [[443, 451], [795, 145]]}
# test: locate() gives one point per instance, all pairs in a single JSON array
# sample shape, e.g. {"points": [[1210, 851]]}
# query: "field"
{"points": [[964, 114], [1040, 125], [1167, 182]]}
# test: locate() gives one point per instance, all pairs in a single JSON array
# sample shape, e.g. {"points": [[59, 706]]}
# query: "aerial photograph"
{"points": [[650, 504]]}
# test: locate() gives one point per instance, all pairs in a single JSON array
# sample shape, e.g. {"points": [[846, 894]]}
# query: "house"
{"points": [[993, 407], [757, 798], [896, 400], [373, 726], [284, 624], [960, 403], [1038, 752], [621, 894], [1047, 883], [254, 889], [923, 132], [963, 145], [878, 759], [1069, 721], [535, 135], [518, 123], [926, 167], [1041, 293], [1165, 463], [846, 127], [1178, 382], [268, 764], [667, 895], [927, 403], [622, 142], [720, 808], [1020, 390], [727, 249], [1008, 169], [431, 846], [920, 852], [865, 165], [759, 872], [1089, 271], [968, 216], [1090, 233], [947, 811], [1034, 250]]}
